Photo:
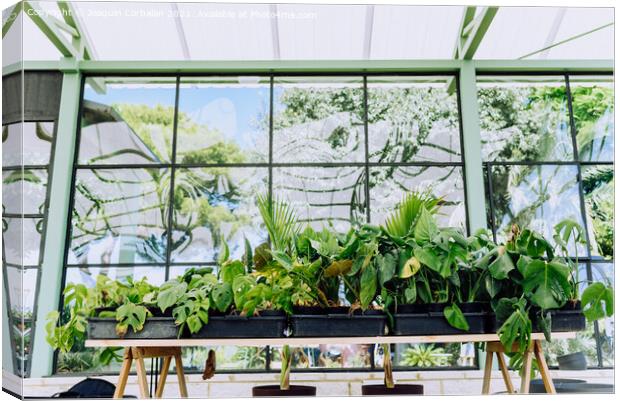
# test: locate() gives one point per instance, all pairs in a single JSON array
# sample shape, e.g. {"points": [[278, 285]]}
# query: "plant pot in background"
{"points": [[434, 322], [398, 389], [575, 361], [270, 324], [339, 324], [275, 391], [154, 327]]}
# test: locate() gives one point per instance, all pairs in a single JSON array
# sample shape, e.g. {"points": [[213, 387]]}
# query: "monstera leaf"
{"points": [[593, 299], [222, 296], [502, 265], [546, 283], [170, 293]]}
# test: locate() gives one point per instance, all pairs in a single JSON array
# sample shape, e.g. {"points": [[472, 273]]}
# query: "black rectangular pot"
{"points": [[358, 324], [235, 326], [435, 323], [566, 319], [154, 327]]}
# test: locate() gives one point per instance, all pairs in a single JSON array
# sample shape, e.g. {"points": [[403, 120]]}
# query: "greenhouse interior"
{"points": [[219, 200]]}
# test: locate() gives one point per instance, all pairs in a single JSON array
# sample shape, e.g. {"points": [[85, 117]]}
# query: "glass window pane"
{"points": [[323, 196], [131, 122], [119, 216], [27, 186], [598, 187], [388, 185], [593, 111], [214, 202], [424, 356], [318, 119], [22, 285], [22, 240], [535, 197], [524, 118], [155, 275], [31, 141], [325, 356], [223, 120], [412, 119]]}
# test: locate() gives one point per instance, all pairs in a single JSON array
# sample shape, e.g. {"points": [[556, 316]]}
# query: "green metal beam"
{"points": [[102, 67], [472, 32], [49, 25], [56, 227], [472, 147], [11, 18]]}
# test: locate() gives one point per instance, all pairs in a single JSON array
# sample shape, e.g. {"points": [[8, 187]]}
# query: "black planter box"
{"points": [[268, 325], [337, 323], [154, 327], [566, 319], [420, 320]]}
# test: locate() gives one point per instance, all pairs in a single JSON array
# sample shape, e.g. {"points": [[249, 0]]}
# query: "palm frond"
{"points": [[280, 220], [402, 220]]}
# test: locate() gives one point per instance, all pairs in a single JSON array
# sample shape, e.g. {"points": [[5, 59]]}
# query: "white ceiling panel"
{"points": [[321, 32], [424, 32], [131, 31], [228, 31]]}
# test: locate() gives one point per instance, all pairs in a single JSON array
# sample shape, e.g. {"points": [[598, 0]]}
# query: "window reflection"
{"points": [[223, 120], [119, 216], [524, 118], [537, 197], [318, 119], [325, 356], [412, 119], [129, 122], [215, 204], [593, 111], [323, 196]]}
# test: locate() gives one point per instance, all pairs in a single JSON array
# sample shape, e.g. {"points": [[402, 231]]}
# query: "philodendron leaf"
{"points": [[425, 228], [387, 267], [262, 256], [368, 285], [428, 257], [230, 270], [593, 299], [283, 259], [547, 282], [222, 296], [338, 268], [411, 267], [502, 265], [411, 294], [241, 286], [170, 293], [455, 317]]}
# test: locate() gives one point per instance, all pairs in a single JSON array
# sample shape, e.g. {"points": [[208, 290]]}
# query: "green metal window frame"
{"points": [[68, 123]]}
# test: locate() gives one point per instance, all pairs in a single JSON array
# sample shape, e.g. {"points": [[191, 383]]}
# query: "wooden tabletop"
{"points": [[306, 341]]}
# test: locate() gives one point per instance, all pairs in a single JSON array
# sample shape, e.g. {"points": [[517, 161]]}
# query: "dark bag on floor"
{"points": [[89, 388]]}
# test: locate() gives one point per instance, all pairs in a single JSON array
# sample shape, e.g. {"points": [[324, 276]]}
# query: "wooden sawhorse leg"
{"points": [[535, 348], [138, 354]]}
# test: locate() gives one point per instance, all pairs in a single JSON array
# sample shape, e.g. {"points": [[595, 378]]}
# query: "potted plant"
{"points": [[346, 259], [421, 273], [111, 309]]}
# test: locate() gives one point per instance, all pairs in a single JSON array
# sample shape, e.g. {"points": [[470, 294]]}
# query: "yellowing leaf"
{"points": [[411, 267]]}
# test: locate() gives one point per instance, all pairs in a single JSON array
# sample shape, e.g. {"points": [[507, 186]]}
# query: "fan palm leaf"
{"points": [[280, 220], [402, 220]]}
